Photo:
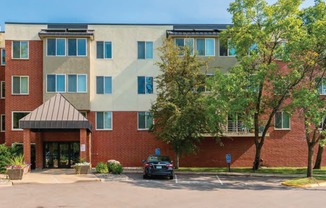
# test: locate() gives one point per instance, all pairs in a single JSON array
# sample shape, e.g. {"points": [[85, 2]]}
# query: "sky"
{"points": [[118, 11]]}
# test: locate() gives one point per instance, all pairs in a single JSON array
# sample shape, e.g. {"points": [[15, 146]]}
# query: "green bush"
{"points": [[115, 167], [5, 157], [101, 167]]}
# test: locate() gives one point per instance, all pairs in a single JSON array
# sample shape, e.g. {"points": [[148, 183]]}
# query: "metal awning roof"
{"points": [[55, 113]]}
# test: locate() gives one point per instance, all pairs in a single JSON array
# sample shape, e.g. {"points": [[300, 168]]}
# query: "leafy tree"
{"points": [[179, 110], [260, 84]]}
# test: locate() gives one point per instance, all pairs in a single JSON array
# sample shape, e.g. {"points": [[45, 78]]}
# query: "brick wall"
{"points": [[2, 102], [33, 67]]}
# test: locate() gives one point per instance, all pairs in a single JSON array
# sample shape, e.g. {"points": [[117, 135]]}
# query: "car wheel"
{"points": [[171, 177]]}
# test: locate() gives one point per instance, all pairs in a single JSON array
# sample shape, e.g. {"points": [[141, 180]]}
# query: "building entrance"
{"points": [[60, 154]]}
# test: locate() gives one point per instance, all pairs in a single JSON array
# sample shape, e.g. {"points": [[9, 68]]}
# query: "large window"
{"points": [[56, 83], [185, 42], [77, 83], [145, 85], [20, 85], [103, 85], [77, 47], [103, 50], [56, 47], [3, 57], [104, 120], [226, 50], [3, 90], [3, 123], [145, 50], [282, 120], [145, 120], [20, 49], [16, 116], [205, 46]]}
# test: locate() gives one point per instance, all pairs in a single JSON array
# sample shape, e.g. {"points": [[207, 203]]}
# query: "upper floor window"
{"points": [[145, 50], [56, 83], [56, 47], [145, 85], [77, 47], [321, 86], [20, 85], [226, 49], [3, 90], [16, 116], [103, 85], [236, 124], [185, 42], [3, 56], [20, 49], [145, 120], [77, 83], [205, 46], [103, 50], [104, 120], [282, 120]]}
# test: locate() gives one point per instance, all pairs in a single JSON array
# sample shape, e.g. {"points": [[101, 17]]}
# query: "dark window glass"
{"points": [[72, 83], [51, 83], [72, 50], [201, 47], [51, 47], [99, 120], [16, 49], [141, 50], [81, 47], [99, 85], [108, 50], [141, 85], [99, 49]]}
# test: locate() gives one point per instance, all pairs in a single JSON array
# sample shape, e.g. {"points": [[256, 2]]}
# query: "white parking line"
{"points": [[219, 180], [176, 178]]}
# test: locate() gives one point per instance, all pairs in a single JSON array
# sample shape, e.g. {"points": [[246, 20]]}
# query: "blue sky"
{"points": [[117, 11]]}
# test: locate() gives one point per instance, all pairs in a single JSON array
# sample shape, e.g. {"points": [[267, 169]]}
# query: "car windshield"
{"points": [[158, 159]]}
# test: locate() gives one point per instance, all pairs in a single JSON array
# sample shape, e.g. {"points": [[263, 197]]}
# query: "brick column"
{"points": [[89, 135], [83, 144], [27, 145], [39, 150]]}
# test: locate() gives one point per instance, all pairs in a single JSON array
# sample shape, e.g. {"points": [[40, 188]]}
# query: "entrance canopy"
{"points": [[56, 113]]}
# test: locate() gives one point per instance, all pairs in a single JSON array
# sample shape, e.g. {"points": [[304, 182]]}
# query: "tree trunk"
{"points": [[178, 161], [256, 163], [319, 157], [310, 154]]}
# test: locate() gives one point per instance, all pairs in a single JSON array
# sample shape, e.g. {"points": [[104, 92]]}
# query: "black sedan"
{"points": [[157, 165]]}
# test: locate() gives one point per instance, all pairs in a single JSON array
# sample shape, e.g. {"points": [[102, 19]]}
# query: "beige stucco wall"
{"points": [[124, 67], [2, 40], [23, 31], [68, 65]]}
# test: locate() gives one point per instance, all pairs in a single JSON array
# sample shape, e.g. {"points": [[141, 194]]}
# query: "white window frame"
{"points": [[56, 83], [144, 129], [110, 129], [184, 44], [1, 54], [104, 49], [12, 49], [67, 83], [145, 50], [1, 88], [12, 85], [228, 49], [12, 119], [76, 47], [47, 52], [3, 118], [206, 47], [282, 128]]}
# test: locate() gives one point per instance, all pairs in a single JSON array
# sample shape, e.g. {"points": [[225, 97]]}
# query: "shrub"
{"points": [[101, 167], [5, 156], [115, 167]]}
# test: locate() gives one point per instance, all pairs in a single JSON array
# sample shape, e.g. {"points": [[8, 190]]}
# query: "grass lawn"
{"points": [[269, 170], [305, 182]]}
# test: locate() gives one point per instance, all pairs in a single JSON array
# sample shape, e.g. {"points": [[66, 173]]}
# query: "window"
{"points": [[3, 123], [104, 120], [206, 87], [235, 124], [145, 120], [103, 85], [20, 49], [77, 83], [225, 50], [103, 50], [205, 46], [282, 120], [56, 83], [19, 85], [16, 116], [321, 86], [185, 42], [145, 50], [3, 56], [84, 113], [3, 90], [77, 47], [56, 47], [145, 85]]}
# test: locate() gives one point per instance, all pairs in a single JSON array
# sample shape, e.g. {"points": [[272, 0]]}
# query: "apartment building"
{"points": [[85, 90]]}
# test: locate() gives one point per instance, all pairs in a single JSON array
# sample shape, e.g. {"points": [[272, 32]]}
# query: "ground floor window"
{"points": [[16, 116], [104, 120], [145, 120], [60, 154], [282, 120]]}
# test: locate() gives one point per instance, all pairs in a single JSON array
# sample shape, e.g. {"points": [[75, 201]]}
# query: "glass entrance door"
{"points": [[60, 154]]}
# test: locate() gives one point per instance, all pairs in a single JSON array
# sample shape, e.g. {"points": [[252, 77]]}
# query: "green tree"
{"points": [[260, 84], [179, 110]]}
